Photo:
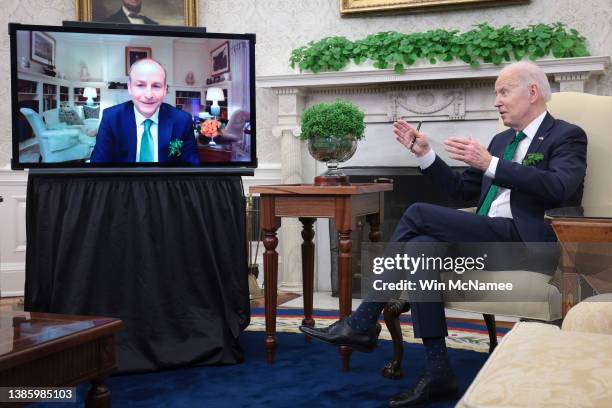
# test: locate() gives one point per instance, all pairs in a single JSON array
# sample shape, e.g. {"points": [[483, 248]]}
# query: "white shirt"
{"points": [[500, 207], [140, 130], [132, 20]]}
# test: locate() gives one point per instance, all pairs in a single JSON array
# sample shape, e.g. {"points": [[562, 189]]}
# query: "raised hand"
{"points": [[468, 151], [412, 139]]}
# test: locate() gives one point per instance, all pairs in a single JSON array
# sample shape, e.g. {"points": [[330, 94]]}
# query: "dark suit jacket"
{"points": [[120, 17], [556, 181], [116, 141]]}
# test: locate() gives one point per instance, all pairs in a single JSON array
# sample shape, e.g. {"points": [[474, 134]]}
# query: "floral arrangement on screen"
{"points": [[211, 128]]}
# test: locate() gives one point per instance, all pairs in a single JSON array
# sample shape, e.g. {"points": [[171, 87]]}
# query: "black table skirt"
{"points": [[164, 253]]}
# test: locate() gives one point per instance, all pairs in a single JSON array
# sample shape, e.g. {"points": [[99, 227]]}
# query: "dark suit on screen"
{"points": [[555, 181], [120, 17], [117, 140]]}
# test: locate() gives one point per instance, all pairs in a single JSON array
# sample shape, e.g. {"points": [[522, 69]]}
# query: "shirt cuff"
{"points": [[427, 159], [490, 172]]}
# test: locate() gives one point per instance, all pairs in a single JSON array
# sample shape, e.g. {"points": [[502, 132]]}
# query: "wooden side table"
{"points": [[586, 225], [308, 202]]}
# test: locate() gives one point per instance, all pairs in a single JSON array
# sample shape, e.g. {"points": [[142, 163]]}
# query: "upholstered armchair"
{"points": [[234, 133], [593, 114], [58, 145]]}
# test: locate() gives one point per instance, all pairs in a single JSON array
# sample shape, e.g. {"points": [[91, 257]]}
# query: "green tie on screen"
{"points": [[508, 155], [146, 144]]}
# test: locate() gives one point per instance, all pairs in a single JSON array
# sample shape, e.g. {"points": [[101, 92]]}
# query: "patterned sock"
{"points": [[366, 316], [436, 355]]}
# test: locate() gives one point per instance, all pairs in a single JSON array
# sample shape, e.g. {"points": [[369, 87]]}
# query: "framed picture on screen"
{"points": [[133, 54], [219, 60], [42, 48]]}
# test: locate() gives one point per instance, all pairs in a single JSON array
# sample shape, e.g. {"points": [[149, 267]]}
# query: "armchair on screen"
{"points": [[58, 145], [235, 134], [593, 114]]}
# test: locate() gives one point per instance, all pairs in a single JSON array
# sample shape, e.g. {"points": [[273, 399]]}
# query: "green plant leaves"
{"points": [[483, 43], [337, 119]]}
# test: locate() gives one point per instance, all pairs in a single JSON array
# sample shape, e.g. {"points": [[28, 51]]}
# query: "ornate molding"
{"points": [[572, 76], [289, 90], [377, 89]]}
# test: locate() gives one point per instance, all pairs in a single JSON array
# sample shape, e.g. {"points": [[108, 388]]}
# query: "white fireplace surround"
{"points": [[451, 99]]}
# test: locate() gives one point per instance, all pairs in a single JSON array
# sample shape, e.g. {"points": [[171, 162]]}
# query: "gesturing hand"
{"points": [[414, 141], [468, 151]]}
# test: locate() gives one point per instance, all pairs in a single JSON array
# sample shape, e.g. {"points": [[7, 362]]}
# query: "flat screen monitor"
{"points": [[115, 97]]}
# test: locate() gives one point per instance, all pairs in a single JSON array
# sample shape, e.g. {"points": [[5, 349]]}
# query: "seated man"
{"points": [[145, 129], [513, 199]]}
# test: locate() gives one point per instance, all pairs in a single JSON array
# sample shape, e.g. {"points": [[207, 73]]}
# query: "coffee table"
{"points": [[53, 350]]}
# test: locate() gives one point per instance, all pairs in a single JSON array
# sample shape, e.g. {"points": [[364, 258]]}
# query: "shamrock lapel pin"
{"points": [[533, 158]]}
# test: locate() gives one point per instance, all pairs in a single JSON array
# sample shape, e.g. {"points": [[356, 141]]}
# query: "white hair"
{"points": [[531, 74]]}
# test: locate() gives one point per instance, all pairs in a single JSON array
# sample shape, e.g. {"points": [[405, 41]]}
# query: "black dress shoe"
{"points": [[426, 390], [341, 334]]}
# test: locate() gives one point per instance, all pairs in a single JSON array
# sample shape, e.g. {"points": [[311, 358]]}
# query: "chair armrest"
{"points": [[592, 315], [60, 132]]}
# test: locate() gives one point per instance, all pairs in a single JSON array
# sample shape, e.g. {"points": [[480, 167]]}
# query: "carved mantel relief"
{"points": [[426, 104]]}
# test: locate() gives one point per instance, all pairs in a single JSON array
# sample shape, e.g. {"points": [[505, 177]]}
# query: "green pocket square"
{"points": [[533, 158]]}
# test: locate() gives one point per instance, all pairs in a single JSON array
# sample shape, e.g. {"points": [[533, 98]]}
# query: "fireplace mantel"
{"points": [[451, 98], [565, 69]]}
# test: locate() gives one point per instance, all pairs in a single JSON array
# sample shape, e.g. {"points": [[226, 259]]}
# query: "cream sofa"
{"points": [[539, 365], [90, 126]]}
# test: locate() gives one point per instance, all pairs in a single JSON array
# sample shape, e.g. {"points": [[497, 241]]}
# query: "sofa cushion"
{"points": [[539, 365], [51, 118], [90, 112], [69, 116]]}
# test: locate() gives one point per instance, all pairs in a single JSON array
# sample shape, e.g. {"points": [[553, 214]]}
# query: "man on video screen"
{"points": [[145, 130]]}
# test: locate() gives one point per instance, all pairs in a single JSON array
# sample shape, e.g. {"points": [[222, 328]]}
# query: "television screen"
{"points": [[116, 97]]}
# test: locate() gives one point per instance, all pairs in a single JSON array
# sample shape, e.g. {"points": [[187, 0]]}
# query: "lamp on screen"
{"points": [[215, 95], [90, 94]]}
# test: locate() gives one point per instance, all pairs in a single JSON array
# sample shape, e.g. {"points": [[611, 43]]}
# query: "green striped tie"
{"points": [[492, 193], [146, 144]]}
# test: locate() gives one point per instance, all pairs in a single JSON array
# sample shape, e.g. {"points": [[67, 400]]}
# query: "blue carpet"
{"points": [[305, 375]]}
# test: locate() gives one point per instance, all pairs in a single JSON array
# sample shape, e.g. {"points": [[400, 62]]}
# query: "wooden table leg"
{"points": [[307, 270], [375, 233], [570, 280], [271, 282], [570, 294], [345, 269], [98, 396], [270, 224]]}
